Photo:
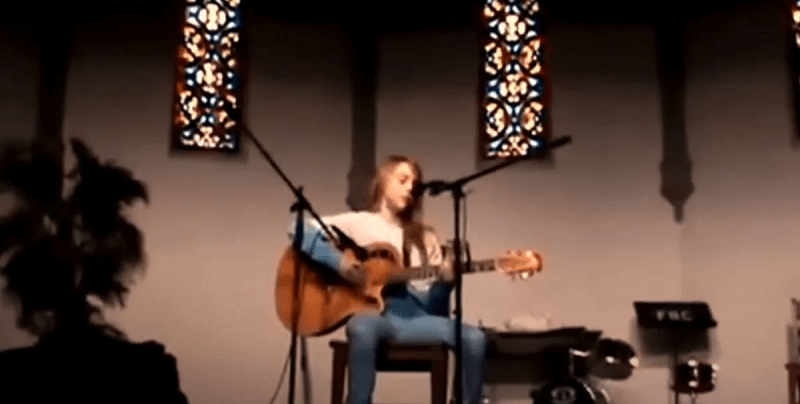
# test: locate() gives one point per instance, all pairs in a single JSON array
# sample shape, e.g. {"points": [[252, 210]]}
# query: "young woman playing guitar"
{"points": [[416, 311]]}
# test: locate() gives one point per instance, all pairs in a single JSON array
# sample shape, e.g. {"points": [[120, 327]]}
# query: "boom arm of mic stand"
{"points": [[437, 187], [301, 201], [541, 152]]}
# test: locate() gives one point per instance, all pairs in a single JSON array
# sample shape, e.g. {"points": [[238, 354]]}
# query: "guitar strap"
{"points": [[393, 289], [406, 253]]}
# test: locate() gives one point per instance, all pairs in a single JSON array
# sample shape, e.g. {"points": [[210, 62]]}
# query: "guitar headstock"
{"points": [[519, 264]]}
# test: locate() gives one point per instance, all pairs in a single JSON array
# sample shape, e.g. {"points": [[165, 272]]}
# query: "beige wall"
{"points": [[738, 248], [215, 227]]}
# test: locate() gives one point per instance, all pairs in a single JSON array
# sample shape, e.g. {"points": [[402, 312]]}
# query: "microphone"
{"points": [[433, 187]]}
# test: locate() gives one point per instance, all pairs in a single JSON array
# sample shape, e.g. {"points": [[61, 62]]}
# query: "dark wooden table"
{"points": [[528, 357]]}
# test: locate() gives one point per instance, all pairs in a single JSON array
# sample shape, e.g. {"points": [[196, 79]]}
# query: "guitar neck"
{"points": [[428, 272]]}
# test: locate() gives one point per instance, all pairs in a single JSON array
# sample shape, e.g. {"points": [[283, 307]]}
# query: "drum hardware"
{"points": [[569, 389], [681, 322], [613, 359], [694, 377]]}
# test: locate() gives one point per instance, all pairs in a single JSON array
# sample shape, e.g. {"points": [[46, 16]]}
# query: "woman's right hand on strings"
{"points": [[351, 269]]}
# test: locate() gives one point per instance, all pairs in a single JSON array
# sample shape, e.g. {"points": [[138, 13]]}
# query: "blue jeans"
{"points": [[366, 332]]}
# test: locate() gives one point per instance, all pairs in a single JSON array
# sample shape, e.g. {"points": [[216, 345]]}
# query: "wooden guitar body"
{"points": [[325, 301]]}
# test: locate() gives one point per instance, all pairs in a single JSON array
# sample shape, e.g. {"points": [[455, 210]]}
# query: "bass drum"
{"points": [[570, 391]]}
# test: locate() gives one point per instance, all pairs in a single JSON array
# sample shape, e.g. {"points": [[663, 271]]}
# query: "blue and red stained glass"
{"points": [[207, 111], [514, 99]]}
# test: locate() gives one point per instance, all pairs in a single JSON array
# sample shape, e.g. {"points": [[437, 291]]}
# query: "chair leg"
{"points": [[439, 380], [337, 382]]}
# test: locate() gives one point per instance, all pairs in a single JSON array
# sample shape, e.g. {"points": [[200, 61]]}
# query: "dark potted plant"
{"points": [[66, 256]]}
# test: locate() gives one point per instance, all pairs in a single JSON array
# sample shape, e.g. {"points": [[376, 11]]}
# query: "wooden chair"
{"points": [[396, 358]]}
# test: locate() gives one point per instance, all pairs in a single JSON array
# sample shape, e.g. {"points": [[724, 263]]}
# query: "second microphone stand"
{"points": [[456, 189]]}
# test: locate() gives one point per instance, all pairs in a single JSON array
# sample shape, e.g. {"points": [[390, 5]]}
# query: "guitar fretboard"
{"points": [[426, 272]]}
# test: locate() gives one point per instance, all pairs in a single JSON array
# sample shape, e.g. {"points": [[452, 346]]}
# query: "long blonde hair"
{"points": [[413, 226], [378, 184]]}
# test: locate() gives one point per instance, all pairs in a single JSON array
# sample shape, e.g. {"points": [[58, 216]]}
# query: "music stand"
{"points": [[680, 320]]}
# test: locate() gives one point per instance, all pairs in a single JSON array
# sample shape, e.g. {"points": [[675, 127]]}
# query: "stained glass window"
{"points": [[208, 93], [514, 105]]}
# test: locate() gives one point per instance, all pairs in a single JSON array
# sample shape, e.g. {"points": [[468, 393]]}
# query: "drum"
{"points": [[569, 391], [612, 359], [694, 377]]}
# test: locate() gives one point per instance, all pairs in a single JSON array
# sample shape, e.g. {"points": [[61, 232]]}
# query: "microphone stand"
{"points": [[456, 189], [298, 207]]}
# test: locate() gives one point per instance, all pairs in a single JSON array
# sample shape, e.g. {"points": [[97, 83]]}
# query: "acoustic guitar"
{"points": [[326, 301]]}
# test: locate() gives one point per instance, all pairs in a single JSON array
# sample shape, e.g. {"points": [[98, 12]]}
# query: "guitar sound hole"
{"points": [[379, 254]]}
